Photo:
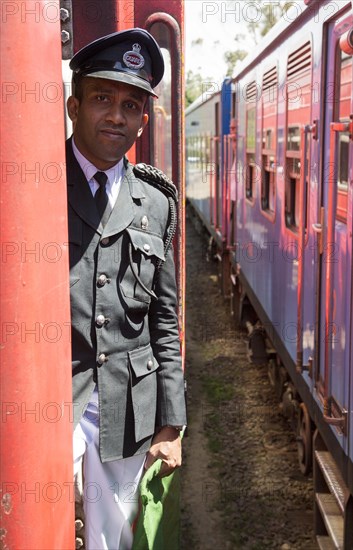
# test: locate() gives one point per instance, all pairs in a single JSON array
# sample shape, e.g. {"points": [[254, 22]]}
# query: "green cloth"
{"points": [[158, 524]]}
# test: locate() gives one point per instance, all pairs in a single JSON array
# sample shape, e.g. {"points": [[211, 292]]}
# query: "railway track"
{"points": [[241, 483]]}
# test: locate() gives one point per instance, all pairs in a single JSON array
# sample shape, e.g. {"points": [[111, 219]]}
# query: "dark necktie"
{"points": [[101, 197]]}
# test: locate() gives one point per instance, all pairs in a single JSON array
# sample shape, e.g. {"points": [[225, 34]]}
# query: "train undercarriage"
{"points": [[333, 506]]}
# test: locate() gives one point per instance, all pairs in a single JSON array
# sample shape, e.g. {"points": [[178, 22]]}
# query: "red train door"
{"points": [[336, 266], [37, 494]]}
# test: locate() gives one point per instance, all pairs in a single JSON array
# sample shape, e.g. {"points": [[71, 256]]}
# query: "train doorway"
{"points": [[336, 258]]}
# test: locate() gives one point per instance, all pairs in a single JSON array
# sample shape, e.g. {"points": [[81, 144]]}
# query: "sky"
{"points": [[218, 23], [218, 28]]}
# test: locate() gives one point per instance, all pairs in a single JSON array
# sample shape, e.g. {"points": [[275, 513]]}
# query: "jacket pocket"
{"points": [[144, 251], [143, 374]]}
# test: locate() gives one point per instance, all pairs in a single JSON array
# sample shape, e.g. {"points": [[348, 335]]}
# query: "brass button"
{"points": [[102, 279], [144, 222], [149, 364], [102, 359], [100, 320], [146, 247], [105, 241]]}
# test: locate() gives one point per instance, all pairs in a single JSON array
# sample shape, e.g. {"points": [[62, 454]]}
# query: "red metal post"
{"points": [[36, 429]]}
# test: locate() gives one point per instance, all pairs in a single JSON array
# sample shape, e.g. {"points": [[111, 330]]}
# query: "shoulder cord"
{"points": [[167, 245]]}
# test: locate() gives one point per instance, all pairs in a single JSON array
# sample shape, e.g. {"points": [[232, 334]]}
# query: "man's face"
{"points": [[107, 119]]}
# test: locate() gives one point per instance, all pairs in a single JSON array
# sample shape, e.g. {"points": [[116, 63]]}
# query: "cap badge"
{"points": [[133, 59]]}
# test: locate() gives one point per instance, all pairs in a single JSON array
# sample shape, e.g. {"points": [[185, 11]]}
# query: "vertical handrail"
{"points": [[330, 239], [229, 172], [212, 178], [305, 130], [213, 182], [301, 240], [178, 139], [225, 194]]}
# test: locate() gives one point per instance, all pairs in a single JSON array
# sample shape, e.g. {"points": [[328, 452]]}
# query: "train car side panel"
{"points": [[201, 130], [289, 239]]}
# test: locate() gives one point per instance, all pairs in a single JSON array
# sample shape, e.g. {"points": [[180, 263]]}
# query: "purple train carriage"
{"points": [[277, 200]]}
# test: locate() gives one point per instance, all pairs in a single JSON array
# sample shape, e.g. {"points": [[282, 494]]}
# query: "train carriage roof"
{"points": [[295, 14], [201, 100]]}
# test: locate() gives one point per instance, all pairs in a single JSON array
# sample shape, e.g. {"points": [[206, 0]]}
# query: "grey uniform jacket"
{"points": [[121, 339]]}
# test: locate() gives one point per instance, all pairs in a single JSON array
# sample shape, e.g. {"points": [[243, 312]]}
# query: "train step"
{"points": [[330, 503], [332, 517], [332, 477], [325, 543]]}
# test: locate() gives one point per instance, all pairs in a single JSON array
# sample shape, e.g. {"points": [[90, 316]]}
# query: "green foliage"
{"points": [[271, 14], [197, 42], [217, 390], [195, 86], [232, 58], [256, 29]]}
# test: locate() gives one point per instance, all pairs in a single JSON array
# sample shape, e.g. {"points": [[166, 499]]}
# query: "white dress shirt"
{"points": [[114, 174]]}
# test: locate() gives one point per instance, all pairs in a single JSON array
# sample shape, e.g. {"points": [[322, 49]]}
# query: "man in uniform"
{"points": [[128, 390]]}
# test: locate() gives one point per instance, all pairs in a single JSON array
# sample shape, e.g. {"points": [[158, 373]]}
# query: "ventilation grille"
{"points": [[299, 62], [270, 79], [251, 92]]}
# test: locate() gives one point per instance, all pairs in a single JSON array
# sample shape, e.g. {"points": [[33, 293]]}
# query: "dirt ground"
{"points": [[241, 484]]}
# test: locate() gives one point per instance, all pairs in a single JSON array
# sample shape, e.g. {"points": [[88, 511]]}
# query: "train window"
{"points": [[269, 136], [198, 151], [161, 123], [293, 138], [343, 115], [298, 106], [189, 148], [251, 97], [202, 151], [208, 150]]}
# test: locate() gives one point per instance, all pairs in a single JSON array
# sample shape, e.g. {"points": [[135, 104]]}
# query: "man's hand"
{"points": [[166, 445]]}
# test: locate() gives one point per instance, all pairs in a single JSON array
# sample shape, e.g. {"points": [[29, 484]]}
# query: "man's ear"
{"points": [[143, 124], [72, 108]]}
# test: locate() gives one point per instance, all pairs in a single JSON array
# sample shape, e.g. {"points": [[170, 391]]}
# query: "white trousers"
{"points": [[110, 491]]}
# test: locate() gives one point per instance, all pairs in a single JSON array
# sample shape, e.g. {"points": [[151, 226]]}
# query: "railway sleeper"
{"points": [[333, 509]]}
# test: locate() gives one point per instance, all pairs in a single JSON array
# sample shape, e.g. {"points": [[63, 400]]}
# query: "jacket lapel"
{"points": [[124, 209], [79, 193]]}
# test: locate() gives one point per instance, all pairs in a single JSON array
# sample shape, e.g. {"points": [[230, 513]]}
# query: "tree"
{"points": [[232, 58], [195, 86], [257, 27], [271, 16]]}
